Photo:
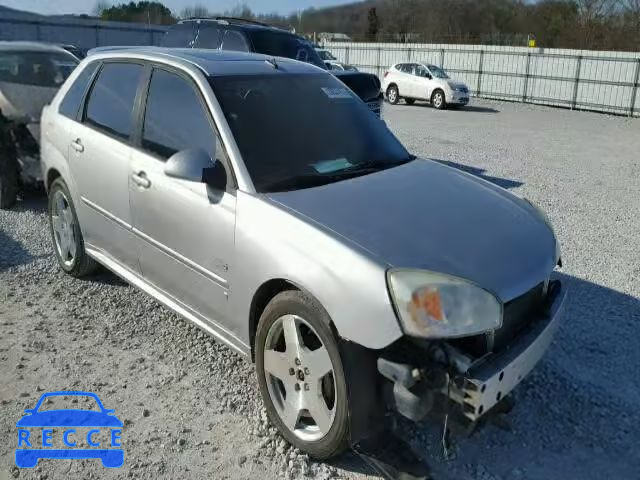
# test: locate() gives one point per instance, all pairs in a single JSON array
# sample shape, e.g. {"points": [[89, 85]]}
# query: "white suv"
{"points": [[423, 81]]}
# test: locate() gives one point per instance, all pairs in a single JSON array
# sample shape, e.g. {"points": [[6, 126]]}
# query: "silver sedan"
{"points": [[342, 268]]}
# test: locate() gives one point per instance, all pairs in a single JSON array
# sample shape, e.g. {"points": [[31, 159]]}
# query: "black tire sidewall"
{"points": [[74, 268], [298, 303]]}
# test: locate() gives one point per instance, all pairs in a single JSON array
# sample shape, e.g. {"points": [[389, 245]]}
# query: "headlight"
{"points": [[545, 217], [434, 305]]}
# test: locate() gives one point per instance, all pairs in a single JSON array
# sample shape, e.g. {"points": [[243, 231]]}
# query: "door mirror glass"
{"points": [[188, 165]]}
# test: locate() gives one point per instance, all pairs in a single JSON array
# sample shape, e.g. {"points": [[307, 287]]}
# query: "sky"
{"points": [[48, 7]]}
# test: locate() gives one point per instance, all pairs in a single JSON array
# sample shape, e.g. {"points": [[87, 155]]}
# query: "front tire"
{"points": [[301, 376], [438, 100], [393, 95], [66, 236]]}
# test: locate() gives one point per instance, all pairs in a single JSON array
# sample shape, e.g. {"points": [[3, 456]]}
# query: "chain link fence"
{"points": [[576, 79]]}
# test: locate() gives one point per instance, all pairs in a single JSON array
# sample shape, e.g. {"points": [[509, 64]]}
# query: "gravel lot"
{"points": [[191, 407]]}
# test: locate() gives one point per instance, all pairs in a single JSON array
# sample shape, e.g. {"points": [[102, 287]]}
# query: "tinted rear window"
{"points": [[71, 102], [179, 36], [112, 97], [42, 69], [282, 44]]}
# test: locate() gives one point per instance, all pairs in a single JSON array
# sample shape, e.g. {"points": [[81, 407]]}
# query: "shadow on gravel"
{"points": [[12, 253], [467, 108], [34, 201], [480, 172]]}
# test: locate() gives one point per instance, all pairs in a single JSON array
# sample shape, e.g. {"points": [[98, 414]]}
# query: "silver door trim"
{"points": [[211, 327], [105, 213], [182, 259]]}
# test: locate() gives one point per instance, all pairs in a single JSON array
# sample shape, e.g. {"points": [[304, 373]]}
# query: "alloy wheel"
{"points": [[62, 221], [300, 378]]}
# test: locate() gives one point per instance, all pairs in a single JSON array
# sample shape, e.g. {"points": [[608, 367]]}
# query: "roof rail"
{"points": [[227, 19]]}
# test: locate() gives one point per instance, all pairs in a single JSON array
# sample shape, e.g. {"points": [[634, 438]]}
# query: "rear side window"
{"points": [[175, 118], [71, 102], [234, 40], [111, 100], [209, 36], [179, 36]]}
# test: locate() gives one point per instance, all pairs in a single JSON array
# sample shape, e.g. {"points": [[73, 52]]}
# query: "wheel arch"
{"points": [[261, 298], [52, 175]]}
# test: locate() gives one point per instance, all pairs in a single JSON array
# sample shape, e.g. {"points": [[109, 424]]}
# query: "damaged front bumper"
{"points": [[475, 385]]}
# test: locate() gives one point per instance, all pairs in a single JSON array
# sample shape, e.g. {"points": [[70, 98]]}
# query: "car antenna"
{"points": [[272, 61]]}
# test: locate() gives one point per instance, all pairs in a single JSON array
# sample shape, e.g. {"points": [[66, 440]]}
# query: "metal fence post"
{"points": [[379, 62], [346, 54], [442, 58], [577, 82], [97, 35], [526, 78], [479, 89], [634, 92], [409, 52], [38, 32]]}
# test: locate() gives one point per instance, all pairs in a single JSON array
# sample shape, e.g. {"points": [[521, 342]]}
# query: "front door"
{"points": [[184, 230], [100, 153], [422, 83]]}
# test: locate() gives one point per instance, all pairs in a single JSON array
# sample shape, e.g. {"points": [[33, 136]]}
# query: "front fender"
{"points": [[273, 243]]}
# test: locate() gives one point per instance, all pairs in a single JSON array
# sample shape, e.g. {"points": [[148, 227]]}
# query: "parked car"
{"points": [[423, 81], [332, 62], [237, 34], [30, 75], [343, 269]]}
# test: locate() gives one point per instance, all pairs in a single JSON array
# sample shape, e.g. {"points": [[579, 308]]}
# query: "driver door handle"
{"points": [[77, 145], [140, 179]]}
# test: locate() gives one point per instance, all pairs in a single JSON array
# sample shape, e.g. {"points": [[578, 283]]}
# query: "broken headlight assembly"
{"points": [[435, 305]]}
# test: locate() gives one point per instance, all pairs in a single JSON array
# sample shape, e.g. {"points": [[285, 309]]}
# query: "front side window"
{"points": [[70, 104], [111, 100], [437, 72], [175, 118], [41, 69], [297, 131], [422, 72]]}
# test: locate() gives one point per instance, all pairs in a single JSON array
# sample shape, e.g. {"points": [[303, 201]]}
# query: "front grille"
{"points": [[518, 314]]}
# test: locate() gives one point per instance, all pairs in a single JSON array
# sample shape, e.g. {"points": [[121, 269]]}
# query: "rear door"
{"points": [[184, 229], [100, 152]]}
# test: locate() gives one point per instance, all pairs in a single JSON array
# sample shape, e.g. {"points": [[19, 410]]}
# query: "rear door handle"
{"points": [[140, 179], [77, 145]]}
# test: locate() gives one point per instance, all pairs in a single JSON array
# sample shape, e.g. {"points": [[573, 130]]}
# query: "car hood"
{"points": [[69, 418], [429, 216], [24, 103]]}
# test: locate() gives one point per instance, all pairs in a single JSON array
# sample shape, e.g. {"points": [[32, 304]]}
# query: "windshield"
{"points": [[326, 55], [42, 69], [297, 131], [437, 72], [282, 44], [69, 402]]}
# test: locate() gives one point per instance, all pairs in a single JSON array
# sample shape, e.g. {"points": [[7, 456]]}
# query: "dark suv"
{"points": [[226, 33]]}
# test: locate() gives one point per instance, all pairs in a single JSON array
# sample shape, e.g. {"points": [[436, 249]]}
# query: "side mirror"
{"points": [[196, 165]]}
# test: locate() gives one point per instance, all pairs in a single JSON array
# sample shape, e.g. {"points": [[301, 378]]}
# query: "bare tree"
{"points": [[194, 11], [100, 6]]}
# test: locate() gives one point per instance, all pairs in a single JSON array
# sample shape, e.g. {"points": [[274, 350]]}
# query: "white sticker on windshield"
{"points": [[337, 92]]}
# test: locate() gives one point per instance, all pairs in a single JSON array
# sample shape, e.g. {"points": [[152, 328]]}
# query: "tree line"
{"points": [[585, 24]]}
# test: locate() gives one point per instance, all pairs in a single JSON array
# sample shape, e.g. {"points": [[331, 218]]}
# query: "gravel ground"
{"points": [[191, 407]]}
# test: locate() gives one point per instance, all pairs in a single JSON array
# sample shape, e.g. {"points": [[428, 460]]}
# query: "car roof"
{"points": [[236, 22], [212, 62], [30, 47]]}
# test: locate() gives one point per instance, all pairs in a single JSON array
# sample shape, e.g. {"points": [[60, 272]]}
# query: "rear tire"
{"points": [[66, 236], [393, 94], [410, 101], [9, 184], [293, 398], [438, 100]]}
